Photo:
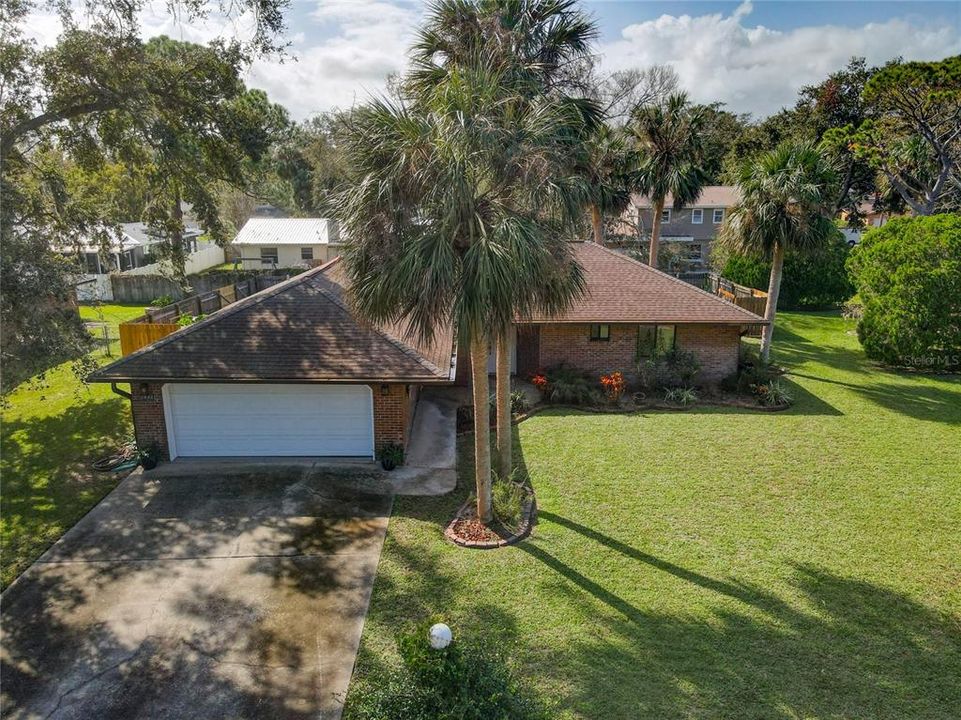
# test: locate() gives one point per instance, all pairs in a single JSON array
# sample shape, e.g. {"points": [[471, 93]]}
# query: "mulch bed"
{"points": [[467, 531]]}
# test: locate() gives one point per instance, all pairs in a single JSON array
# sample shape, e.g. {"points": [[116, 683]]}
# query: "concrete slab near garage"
{"points": [[430, 465], [238, 594]]}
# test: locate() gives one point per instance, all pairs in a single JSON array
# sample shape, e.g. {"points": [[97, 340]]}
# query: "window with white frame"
{"points": [[697, 216], [268, 256], [666, 215], [306, 253], [718, 216]]}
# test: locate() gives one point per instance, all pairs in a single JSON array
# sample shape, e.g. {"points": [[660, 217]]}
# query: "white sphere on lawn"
{"points": [[440, 636]]}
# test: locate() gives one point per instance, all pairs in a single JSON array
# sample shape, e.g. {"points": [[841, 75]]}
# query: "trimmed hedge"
{"points": [[908, 277]]}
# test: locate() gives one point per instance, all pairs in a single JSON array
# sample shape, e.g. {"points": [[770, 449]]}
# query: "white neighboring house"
{"points": [[286, 242], [131, 253]]}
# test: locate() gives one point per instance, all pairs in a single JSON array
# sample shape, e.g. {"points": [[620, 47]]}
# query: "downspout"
{"points": [[121, 393]]}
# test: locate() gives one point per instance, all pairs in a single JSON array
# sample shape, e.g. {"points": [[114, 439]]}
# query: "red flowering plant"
{"points": [[540, 381], [614, 386]]}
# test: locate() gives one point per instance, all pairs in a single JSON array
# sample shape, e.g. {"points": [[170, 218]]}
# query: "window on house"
{"points": [[268, 256], [306, 253], [654, 340], [666, 215], [694, 251], [697, 217], [718, 216], [601, 332]]}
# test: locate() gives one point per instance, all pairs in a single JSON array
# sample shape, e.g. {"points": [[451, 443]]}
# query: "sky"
{"points": [[752, 56]]}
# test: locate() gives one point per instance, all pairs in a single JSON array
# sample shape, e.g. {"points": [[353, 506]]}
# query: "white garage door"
{"points": [[211, 420]]}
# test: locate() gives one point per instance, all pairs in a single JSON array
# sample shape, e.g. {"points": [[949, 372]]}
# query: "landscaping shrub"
{"points": [[391, 455], [675, 368], [908, 278], [464, 681], [518, 403], [507, 498], [161, 301], [810, 280], [681, 396], [614, 385], [567, 386], [773, 394]]}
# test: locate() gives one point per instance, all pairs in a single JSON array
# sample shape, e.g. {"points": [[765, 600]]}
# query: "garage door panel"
{"points": [[270, 420]]}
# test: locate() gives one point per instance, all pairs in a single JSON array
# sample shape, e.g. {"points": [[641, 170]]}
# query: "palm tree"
{"points": [[537, 48], [609, 165], [787, 201], [668, 137], [460, 208]]}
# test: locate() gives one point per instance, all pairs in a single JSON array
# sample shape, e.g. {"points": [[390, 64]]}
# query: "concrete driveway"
{"points": [[200, 594]]}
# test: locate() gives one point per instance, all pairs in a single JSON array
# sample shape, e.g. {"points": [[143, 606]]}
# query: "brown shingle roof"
{"points": [[623, 290], [298, 331]]}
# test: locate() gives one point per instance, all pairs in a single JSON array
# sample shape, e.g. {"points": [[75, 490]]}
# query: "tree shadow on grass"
{"points": [[849, 648], [915, 400], [828, 646], [47, 480], [792, 350]]}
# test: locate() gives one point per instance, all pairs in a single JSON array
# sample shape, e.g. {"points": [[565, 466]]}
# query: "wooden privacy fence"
{"points": [[751, 299], [157, 323], [140, 333]]}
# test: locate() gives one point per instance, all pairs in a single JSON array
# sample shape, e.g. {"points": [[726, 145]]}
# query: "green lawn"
{"points": [[718, 562], [48, 438]]}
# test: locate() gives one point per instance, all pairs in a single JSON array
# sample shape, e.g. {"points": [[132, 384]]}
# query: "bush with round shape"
{"points": [[908, 278]]}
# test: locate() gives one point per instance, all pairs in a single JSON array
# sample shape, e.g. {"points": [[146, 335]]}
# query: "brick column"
{"points": [[147, 408]]}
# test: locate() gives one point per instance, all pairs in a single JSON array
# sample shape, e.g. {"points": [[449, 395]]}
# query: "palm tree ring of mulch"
{"points": [[467, 531]]}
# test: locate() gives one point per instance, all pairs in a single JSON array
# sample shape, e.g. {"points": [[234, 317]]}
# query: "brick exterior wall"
{"points": [[716, 348], [393, 413], [147, 408]]}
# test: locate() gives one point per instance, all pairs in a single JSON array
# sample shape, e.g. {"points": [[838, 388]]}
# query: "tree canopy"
{"points": [[162, 121]]}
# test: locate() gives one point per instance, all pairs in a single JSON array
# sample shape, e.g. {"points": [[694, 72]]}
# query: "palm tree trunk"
{"points": [[655, 232], [597, 221], [479, 350], [503, 392], [773, 290]]}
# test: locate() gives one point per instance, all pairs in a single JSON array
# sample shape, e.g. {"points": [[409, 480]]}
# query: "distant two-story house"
{"points": [[690, 230]]}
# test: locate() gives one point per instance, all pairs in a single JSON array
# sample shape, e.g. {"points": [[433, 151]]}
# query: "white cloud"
{"points": [[343, 50], [370, 42], [366, 42], [759, 70]]}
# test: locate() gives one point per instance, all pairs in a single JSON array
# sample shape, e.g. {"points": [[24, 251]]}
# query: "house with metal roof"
{"points": [[276, 242]]}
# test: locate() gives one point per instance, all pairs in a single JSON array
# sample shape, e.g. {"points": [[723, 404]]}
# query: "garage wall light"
{"points": [[385, 390]]}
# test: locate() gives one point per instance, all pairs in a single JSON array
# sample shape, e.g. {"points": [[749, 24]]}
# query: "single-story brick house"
{"points": [[290, 371], [629, 311]]}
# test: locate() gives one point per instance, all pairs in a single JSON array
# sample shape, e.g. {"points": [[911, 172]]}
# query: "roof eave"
{"points": [[412, 380], [645, 321]]}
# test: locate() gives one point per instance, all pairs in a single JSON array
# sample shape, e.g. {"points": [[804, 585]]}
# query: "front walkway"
{"points": [[429, 468], [236, 594]]}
